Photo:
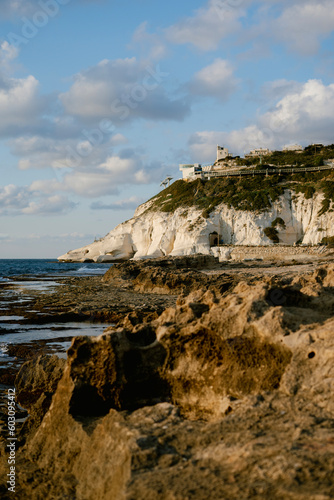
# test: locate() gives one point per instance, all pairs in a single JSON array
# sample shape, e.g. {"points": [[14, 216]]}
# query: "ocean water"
{"points": [[24, 275], [48, 268]]}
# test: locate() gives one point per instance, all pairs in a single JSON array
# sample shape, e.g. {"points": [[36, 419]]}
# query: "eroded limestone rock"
{"points": [[223, 396], [153, 233], [177, 275]]}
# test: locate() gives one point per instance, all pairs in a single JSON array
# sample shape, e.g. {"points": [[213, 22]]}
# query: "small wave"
{"points": [[92, 270], [3, 349], [85, 269]]}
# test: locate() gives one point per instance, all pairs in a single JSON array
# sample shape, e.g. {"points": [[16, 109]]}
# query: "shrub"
{"points": [[247, 193], [272, 234], [328, 240], [206, 213], [278, 222], [309, 192], [325, 206]]}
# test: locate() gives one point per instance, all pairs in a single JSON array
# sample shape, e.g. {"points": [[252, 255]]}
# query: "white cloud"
{"points": [[90, 184], [56, 204], [304, 25], [118, 139], [103, 178], [87, 184], [273, 91], [122, 90], [208, 25], [13, 197], [152, 46], [301, 25], [216, 80], [106, 178], [18, 200], [203, 145], [119, 166], [8, 53], [126, 204], [19, 104], [37, 152], [305, 115]]}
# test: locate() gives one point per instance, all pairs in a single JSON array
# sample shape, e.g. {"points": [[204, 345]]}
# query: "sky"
{"points": [[100, 100]]}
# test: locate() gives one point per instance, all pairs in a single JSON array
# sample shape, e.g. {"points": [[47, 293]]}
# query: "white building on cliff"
{"points": [[223, 161]]}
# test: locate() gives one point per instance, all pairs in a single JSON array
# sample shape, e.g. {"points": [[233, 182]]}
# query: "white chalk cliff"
{"points": [[154, 234]]}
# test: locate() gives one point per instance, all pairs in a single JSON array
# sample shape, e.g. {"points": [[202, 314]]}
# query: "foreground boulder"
{"points": [[35, 385], [220, 397]]}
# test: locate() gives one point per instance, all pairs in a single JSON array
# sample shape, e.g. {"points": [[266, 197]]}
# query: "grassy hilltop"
{"points": [[253, 193], [312, 156]]}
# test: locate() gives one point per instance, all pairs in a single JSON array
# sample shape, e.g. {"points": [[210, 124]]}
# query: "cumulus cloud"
{"points": [[13, 197], [21, 105], [299, 24], [18, 200], [56, 204], [216, 80], [307, 114], [126, 204], [122, 90], [8, 53], [86, 184], [89, 149], [302, 26], [208, 25], [106, 178], [273, 91], [102, 179], [304, 115]]}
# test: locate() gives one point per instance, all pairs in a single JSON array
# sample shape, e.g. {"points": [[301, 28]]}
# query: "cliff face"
{"points": [[185, 231]]}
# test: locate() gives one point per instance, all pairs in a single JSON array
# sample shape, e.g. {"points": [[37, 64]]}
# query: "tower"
{"points": [[222, 153]]}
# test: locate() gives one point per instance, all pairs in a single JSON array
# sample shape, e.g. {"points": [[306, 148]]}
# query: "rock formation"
{"points": [[177, 275], [226, 395], [185, 231]]}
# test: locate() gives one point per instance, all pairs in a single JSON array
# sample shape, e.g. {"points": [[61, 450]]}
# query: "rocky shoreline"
{"points": [[215, 382], [80, 299]]}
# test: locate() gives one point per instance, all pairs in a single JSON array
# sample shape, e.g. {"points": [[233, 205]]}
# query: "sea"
{"points": [[47, 268], [25, 275]]}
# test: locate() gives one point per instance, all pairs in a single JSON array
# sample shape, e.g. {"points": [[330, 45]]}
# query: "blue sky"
{"points": [[100, 100]]}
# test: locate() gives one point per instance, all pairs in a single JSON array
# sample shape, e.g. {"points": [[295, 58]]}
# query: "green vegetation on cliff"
{"points": [[246, 193], [312, 156], [271, 233]]}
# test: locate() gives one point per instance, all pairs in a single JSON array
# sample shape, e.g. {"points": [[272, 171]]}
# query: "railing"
{"points": [[268, 171]]}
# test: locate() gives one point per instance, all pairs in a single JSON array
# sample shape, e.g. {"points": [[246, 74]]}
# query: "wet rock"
{"points": [[7, 375]]}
